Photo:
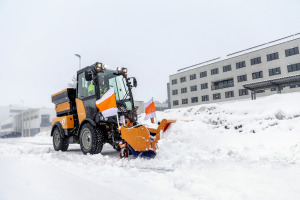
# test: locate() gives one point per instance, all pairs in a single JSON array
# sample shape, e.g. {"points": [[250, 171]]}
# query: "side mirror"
{"points": [[134, 82], [88, 75]]}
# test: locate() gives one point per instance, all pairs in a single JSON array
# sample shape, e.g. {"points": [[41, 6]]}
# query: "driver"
{"points": [[91, 89]]}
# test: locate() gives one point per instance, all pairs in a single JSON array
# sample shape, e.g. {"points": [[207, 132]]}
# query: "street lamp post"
{"points": [[79, 60], [22, 118]]}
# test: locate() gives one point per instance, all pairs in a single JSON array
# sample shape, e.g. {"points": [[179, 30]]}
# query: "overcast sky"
{"points": [[153, 39]]}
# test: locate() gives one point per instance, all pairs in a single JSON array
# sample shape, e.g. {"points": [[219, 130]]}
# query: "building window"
{"points": [[6, 126], [175, 103], [184, 101], [257, 75], [273, 89], [205, 98], [204, 86], [203, 74], [291, 52], [34, 117], [229, 94], [183, 90], [174, 92], [182, 79], [45, 120], [216, 96], [242, 78], [272, 56], [243, 92], [255, 61], [214, 71], [222, 84], [226, 68], [240, 64], [193, 77], [194, 99], [260, 91], [274, 71], [295, 86], [294, 67], [193, 88], [174, 81]]}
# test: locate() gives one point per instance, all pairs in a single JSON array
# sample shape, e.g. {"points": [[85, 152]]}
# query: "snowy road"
{"points": [[232, 151]]}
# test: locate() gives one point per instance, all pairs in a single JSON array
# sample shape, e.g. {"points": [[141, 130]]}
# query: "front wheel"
{"points": [[91, 139], [59, 143]]}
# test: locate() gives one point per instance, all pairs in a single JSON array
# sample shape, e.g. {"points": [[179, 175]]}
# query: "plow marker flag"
{"points": [[150, 109], [107, 104]]}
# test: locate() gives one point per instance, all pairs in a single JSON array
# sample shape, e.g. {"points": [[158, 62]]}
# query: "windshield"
{"points": [[108, 79]]}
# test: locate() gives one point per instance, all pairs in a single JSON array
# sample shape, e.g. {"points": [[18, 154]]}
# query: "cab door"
{"points": [[86, 98]]}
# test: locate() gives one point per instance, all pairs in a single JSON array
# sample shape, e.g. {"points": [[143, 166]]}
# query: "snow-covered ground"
{"points": [[234, 150]]}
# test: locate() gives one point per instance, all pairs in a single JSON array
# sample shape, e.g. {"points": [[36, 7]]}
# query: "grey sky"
{"points": [[38, 39]]}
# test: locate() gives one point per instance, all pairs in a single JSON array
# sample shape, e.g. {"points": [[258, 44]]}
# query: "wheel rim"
{"points": [[86, 139], [56, 138]]}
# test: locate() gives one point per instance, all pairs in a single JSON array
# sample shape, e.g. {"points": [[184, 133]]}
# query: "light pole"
{"points": [[22, 118], [79, 60]]}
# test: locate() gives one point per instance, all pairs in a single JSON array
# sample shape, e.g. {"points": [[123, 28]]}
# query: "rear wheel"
{"points": [[91, 139], [59, 143]]}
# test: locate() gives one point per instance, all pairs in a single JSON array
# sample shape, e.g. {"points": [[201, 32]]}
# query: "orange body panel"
{"points": [[59, 92], [66, 122], [80, 110], [152, 130], [138, 138], [62, 106]]}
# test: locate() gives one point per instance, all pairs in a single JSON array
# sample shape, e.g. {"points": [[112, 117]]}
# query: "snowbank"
{"points": [[234, 150]]}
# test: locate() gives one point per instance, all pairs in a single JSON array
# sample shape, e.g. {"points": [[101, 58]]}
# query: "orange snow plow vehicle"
{"points": [[80, 121]]}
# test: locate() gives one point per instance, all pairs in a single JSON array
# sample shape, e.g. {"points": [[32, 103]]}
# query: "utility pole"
{"points": [[79, 60], [22, 118]]}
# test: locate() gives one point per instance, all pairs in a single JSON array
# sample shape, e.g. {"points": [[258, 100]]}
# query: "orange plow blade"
{"points": [[142, 141]]}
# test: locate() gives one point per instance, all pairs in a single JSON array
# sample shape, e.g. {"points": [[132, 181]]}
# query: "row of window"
{"points": [[6, 126], [230, 83], [215, 96], [253, 61], [193, 88]]}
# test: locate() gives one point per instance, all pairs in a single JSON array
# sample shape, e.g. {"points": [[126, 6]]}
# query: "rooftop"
{"points": [[241, 52]]}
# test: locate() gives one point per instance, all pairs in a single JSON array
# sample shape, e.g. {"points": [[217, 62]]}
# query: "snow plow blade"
{"points": [[142, 141]]}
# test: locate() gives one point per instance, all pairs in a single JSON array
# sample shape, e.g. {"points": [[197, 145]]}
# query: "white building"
{"points": [[224, 79], [34, 120]]}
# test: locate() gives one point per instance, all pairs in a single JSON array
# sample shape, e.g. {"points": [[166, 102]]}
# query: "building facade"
{"points": [[223, 80], [29, 122]]}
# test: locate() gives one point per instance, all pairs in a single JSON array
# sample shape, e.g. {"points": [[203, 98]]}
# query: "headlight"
{"points": [[106, 118], [118, 68], [99, 65], [124, 70], [105, 66]]}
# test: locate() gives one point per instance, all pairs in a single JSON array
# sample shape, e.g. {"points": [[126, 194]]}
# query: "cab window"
{"points": [[85, 88]]}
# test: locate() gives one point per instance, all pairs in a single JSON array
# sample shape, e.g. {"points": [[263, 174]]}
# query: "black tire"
{"points": [[59, 143], [91, 139]]}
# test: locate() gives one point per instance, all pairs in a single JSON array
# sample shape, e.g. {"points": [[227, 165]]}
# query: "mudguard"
{"points": [[57, 124]]}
